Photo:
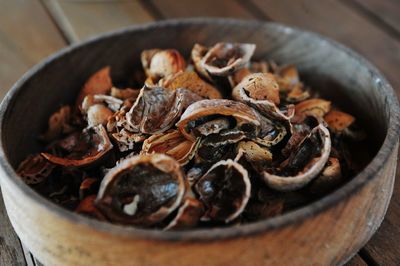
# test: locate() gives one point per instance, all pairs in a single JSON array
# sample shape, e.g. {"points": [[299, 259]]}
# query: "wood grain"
{"points": [[80, 243], [11, 252], [388, 11], [81, 19], [27, 35], [356, 261], [208, 8], [376, 45], [383, 248], [336, 20]]}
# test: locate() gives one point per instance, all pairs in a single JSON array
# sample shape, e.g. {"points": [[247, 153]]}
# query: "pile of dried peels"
{"points": [[222, 140]]}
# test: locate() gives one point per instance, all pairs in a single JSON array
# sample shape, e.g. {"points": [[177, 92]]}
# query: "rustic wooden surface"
{"points": [[32, 29]]}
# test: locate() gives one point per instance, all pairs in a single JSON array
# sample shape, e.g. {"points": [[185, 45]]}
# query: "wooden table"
{"points": [[32, 29]]}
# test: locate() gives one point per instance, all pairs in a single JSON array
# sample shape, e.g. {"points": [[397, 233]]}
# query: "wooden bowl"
{"points": [[326, 232]]}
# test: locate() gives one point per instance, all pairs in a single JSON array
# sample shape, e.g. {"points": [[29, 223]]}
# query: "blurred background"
{"points": [[30, 30]]}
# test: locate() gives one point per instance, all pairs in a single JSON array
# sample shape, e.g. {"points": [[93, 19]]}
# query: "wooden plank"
{"points": [[387, 11], [26, 36], [356, 261], [209, 8], [10, 248], [82, 19], [384, 248], [338, 21]]}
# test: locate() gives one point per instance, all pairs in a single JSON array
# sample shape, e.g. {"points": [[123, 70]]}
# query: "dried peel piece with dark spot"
{"points": [[34, 169], [304, 164], [296, 95], [338, 121], [243, 118], [261, 86], [191, 81], [188, 216], [253, 152], [91, 146], [171, 143], [142, 190], [224, 190], [157, 109], [312, 107], [266, 104], [99, 83], [224, 59]]}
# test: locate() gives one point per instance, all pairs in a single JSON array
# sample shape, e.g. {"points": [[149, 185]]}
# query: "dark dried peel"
{"points": [[223, 140], [304, 164], [244, 118], [224, 59], [188, 215], [157, 109], [171, 143], [142, 190], [88, 149], [224, 190]]}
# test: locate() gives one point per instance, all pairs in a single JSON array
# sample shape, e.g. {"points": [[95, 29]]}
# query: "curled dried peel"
{"points": [[224, 59], [99, 145], [197, 53], [145, 58], [191, 81], [98, 114], [261, 86], [162, 63], [157, 109], [310, 171], [99, 83], [243, 115], [253, 152], [225, 190], [265, 107], [34, 169], [171, 143], [312, 107], [142, 190], [124, 94], [297, 94]]}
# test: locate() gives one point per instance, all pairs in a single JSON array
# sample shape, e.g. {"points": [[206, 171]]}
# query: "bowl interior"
{"points": [[329, 68]]}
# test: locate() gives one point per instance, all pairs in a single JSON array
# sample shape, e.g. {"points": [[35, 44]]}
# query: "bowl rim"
{"points": [[10, 177]]}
